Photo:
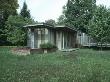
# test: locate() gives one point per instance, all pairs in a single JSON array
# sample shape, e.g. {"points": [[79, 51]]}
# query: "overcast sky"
{"points": [[42, 10]]}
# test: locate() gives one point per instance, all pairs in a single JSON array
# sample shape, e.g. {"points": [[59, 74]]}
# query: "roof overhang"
{"points": [[57, 27], [39, 25], [66, 28]]}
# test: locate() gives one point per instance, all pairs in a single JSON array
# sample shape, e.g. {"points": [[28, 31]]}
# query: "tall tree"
{"points": [[62, 18], [99, 26], [25, 12], [15, 32], [79, 12], [7, 7]]}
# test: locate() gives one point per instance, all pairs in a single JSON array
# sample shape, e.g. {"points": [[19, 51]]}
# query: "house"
{"points": [[62, 36]]}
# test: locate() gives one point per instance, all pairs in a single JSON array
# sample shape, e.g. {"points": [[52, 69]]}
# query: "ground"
{"points": [[84, 65]]}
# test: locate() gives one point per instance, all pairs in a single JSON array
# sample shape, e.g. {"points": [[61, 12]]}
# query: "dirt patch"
{"points": [[20, 51]]}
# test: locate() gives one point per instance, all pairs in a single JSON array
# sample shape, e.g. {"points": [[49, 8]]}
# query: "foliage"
{"points": [[50, 22], [100, 25], [24, 11], [84, 65], [7, 7], [79, 12], [14, 29], [47, 45], [62, 18]]}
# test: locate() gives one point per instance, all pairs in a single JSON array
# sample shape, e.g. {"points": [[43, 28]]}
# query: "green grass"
{"points": [[83, 65]]}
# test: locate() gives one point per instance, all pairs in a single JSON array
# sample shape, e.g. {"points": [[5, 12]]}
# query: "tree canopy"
{"points": [[99, 26], [79, 12], [61, 20], [7, 7], [14, 30], [50, 21]]}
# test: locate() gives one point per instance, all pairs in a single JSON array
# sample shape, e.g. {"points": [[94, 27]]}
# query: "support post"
{"points": [[32, 39]]}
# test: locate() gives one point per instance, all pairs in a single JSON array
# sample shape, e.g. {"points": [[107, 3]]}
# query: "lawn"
{"points": [[84, 65]]}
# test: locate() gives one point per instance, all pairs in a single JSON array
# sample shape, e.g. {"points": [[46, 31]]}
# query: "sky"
{"points": [[42, 10]]}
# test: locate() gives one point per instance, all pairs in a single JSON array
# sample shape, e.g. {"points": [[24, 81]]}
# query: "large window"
{"points": [[42, 36]]}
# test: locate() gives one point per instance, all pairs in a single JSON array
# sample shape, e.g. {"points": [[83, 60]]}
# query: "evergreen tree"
{"points": [[24, 11]]}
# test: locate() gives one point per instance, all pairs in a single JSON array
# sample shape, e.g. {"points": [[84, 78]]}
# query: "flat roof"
{"points": [[57, 27], [36, 25], [65, 27]]}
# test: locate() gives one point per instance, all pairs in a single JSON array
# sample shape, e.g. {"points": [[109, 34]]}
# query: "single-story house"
{"points": [[63, 37]]}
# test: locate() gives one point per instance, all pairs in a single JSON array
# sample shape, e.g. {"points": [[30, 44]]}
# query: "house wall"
{"points": [[31, 38], [51, 36], [36, 37], [69, 39], [59, 39], [65, 40], [62, 39], [42, 36], [73, 40]]}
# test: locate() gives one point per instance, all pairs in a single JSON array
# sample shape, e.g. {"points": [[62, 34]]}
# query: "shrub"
{"points": [[47, 45]]}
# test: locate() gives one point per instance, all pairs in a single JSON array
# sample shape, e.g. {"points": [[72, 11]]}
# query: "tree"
{"points": [[50, 21], [7, 7], [14, 30], [99, 26], [79, 12], [62, 18], [24, 11]]}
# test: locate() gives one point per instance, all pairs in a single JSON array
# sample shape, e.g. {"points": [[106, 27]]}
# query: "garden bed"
{"points": [[20, 51], [27, 51]]}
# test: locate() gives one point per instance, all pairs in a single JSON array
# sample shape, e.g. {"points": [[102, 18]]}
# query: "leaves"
{"points": [[14, 29], [79, 12], [99, 25], [7, 7], [50, 22]]}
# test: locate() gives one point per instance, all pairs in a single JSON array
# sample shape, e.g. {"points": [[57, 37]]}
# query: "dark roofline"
{"points": [[39, 24], [57, 27], [63, 26]]}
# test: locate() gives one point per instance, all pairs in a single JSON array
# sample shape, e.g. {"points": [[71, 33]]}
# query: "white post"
{"points": [[63, 40], [32, 39], [39, 39], [29, 38], [60, 41], [46, 33]]}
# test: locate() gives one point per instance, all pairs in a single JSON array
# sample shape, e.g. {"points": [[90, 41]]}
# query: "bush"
{"points": [[47, 45]]}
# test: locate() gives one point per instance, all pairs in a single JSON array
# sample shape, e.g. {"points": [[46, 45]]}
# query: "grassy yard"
{"points": [[83, 65]]}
